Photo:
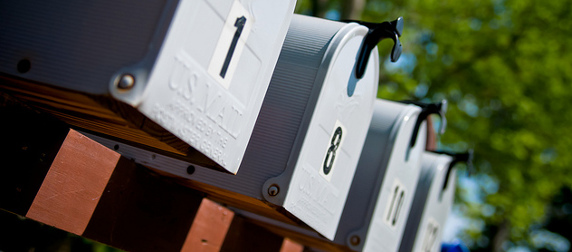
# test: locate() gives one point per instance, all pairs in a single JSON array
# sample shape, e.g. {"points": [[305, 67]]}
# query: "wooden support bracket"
{"points": [[61, 178]]}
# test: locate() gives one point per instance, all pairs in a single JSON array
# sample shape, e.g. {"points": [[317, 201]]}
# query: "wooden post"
{"points": [[209, 228], [291, 246]]}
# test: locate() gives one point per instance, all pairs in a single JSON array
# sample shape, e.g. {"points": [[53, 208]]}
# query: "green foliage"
{"points": [[504, 66]]}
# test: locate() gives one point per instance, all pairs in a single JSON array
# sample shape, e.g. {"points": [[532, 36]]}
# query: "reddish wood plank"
{"points": [[74, 184], [291, 246], [209, 227]]}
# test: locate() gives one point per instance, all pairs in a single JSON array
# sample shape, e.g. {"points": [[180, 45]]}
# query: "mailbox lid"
{"points": [[212, 74]]}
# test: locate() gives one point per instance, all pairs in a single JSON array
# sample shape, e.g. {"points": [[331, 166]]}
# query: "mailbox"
{"points": [[165, 74], [301, 158], [432, 202], [382, 191]]}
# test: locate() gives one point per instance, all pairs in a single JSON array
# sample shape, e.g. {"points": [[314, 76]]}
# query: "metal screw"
{"points": [[355, 240], [127, 81], [273, 190]]}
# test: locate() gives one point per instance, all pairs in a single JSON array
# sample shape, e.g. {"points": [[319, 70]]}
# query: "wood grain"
{"points": [[209, 228], [291, 246]]}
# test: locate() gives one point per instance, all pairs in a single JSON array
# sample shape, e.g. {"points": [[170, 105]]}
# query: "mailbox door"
{"points": [[212, 73], [386, 165]]}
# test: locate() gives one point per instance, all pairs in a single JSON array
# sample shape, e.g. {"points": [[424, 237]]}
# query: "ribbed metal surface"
{"points": [[76, 44]]}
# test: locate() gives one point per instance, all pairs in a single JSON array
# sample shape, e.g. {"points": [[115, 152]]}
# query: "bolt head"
{"points": [[273, 190], [355, 240], [126, 81]]}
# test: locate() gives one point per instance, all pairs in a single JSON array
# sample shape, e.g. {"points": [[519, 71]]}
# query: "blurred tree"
{"points": [[347, 9], [504, 66]]}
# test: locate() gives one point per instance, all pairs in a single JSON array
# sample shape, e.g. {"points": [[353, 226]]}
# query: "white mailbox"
{"points": [[382, 191], [199, 69], [309, 135], [432, 203]]}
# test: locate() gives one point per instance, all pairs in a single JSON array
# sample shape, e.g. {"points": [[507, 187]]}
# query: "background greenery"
{"points": [[504, 66]]}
